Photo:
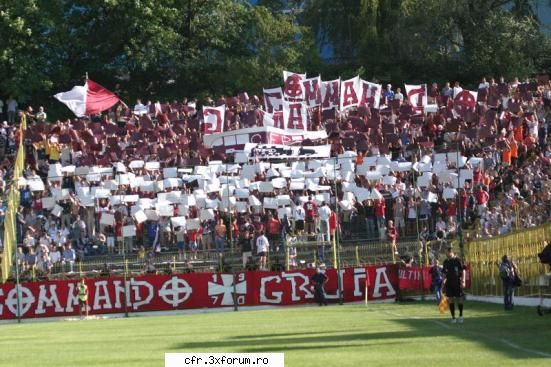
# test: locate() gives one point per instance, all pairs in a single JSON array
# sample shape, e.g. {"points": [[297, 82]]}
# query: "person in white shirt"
{"points": [[324, 212], [484, 84], [262, 247], [299, 215], [140, 109], [12, 110], [41, 115], [398, 95]]}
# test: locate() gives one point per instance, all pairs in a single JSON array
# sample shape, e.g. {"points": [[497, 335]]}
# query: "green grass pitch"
{"points": [[413, 334]]}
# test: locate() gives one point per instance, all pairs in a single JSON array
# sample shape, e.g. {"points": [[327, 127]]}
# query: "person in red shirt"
{"points": [[451, 210], [311, 209], [380, 209], [333, 224], [482, 199], [273, 227], [463, 203], [392, 234], [192, 235]]}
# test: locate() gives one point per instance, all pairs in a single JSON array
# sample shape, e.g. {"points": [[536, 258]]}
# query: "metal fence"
{"points": [[484, 257]]}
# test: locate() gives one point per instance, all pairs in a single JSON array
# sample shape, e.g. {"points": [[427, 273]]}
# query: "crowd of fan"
{"points": [[510, 188]]}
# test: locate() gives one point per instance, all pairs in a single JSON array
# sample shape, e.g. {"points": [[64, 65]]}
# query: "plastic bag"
{"points": [[443, 306]]}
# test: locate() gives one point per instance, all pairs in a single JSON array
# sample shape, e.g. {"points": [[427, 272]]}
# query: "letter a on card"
{"points": [[349, 93]]}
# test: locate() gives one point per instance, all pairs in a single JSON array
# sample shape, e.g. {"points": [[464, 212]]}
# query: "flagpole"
{"points": [[17, 287]]}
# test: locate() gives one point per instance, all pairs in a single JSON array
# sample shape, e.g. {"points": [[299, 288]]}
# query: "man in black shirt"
{"points": [[318, 280], [454, 283], [246, 245]]}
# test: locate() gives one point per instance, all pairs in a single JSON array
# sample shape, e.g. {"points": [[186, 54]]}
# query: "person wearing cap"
{"points": [[319, 280]]}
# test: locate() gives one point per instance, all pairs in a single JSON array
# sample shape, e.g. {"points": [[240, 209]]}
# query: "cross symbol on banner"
{"points": [[26, 300], [226, 289], [172, 289]]}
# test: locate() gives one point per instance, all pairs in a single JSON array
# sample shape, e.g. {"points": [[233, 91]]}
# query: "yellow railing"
{"points": [[484, 257]]}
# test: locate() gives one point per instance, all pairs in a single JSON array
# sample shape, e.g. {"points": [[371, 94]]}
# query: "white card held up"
{"points": [[140, 216], [170, 172], [375, 195], [174, 197], [278, 183], [253, 201], [194, 223], [100, 193], [389, 180], [48, 203], [87, 200], [373, 176], [119, 167], [449, 193], [242, 193], [282, 212], [266, 187], [188, 200], [296, 185], [166, 210], [425, 180], [36, 184], [107, 219], [57, 210], [129, 231], [136, 164], [345, 205], [207, 214], [432, 197], [178, 221], [152, 166], [283, 200], [242, 206], [270, 203], [151, 214]]}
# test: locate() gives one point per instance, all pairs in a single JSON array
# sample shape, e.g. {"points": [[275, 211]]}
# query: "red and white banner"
{"points": [[295, 115], [195, 290], [349, 93], [236, 139], [312, 91], [213, 119], [330, 92], [370, 94], [293, 90], [411, 279], [417, 96], [465, 100], [273, 99], [87, 100]]}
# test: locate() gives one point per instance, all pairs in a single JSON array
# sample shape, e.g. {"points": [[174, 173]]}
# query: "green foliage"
{"points": [[426, 40], [159, 49], [149, 48]]}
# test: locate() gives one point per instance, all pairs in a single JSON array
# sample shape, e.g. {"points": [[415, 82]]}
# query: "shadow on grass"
{"points": [[517, 335], [302, 341]]}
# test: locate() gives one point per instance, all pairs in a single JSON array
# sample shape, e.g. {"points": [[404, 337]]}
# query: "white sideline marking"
{"points": [[448, 327]]}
